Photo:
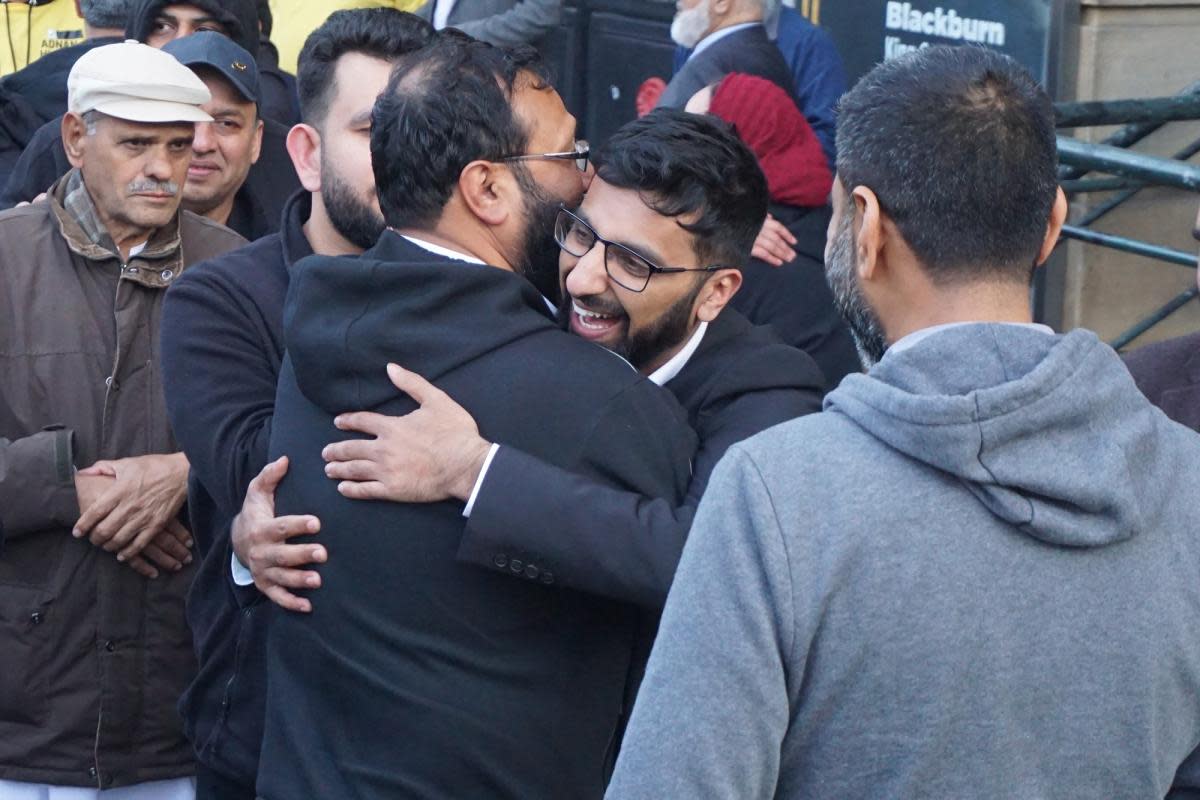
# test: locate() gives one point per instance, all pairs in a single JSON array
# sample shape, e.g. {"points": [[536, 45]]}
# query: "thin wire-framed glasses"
{"points": [[626, 267], [579, 155]]}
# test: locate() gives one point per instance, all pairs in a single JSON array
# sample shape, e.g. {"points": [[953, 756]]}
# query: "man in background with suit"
{"points": [[725, 36], [504, 23]]}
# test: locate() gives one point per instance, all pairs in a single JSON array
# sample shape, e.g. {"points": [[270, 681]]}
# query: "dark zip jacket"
{"points": [[222, 342], [416, 675]]}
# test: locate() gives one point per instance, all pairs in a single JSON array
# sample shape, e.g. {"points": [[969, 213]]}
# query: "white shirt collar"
{"points": [[718, 35], [448, 253], [437, 249], [916, 337], [678, 361]]}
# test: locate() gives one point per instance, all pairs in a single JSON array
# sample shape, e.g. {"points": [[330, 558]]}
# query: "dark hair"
{"points": [[692, 164], [958, 144], [446, 105], [382, 33]]}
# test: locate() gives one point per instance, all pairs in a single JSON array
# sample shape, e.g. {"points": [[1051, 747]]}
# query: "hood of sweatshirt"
{"points": [[240, 18], [346, 317], [1048, 432]]}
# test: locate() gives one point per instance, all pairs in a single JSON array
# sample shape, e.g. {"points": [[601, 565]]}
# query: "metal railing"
{"points": [[1128, 173]]}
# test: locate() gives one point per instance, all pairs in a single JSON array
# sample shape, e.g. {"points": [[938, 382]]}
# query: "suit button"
{"points": [[166, 274], [532, 572], [516, 565], [500, 560], [112, 383], [110, 646], [91, 772], [547, 577], [35, 618]]}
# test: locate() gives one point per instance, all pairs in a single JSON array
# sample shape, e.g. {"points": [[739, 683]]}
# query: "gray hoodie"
{"points": [[976, 575]]}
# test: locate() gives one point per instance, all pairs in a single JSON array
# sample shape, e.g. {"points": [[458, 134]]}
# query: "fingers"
{"points": [[143, 567], [413, 384], [162, 558], [106, 468], [351, 449], [364, 490], [267, 481], [170, 544], [361, 421], [290, 578], [762, 254], [98, 511], [285, 599], [175, 530], [280, 529], [265, 558], [352, 470]]}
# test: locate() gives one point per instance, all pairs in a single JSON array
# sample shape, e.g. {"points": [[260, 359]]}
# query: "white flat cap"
{"points": [[135, 82]]}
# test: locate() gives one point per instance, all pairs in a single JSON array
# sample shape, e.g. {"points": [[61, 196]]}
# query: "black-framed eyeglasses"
{"points": [[626, 267], [579, 155]]}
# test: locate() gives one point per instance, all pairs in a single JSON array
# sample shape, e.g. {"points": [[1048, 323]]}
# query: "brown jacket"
{"points": [[93, 657]]}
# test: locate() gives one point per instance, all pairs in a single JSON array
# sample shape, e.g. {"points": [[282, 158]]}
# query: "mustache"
{"points": [[154, 187]]}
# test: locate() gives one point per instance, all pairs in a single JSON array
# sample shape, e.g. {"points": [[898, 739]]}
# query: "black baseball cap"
{"points": [[219, 52]]}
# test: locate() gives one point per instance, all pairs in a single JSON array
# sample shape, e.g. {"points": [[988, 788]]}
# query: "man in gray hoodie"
{"points": [[990, 588]]}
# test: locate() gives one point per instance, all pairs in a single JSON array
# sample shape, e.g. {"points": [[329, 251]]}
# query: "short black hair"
{"points": [[382, 33], [958, 144], [446, 105], [692, 164]]}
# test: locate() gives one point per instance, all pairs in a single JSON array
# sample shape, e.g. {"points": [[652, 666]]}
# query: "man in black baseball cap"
{"points": [[224, 149]]}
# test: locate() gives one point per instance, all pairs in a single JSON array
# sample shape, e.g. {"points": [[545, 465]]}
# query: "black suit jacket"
{"points": [[257, 207], [1168, 373], [795, 298], [748, 51], [415, 675], [740, 381]]}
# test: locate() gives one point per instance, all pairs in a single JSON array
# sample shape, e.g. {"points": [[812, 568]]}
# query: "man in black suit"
{"points": [[1168, 373], [670, 189], [416, 675], [725, 36]]}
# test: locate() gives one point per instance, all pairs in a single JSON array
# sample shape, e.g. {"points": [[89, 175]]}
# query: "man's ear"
{"points": [[1054, 226], [489, 191], [718, 290], [256, 148], [74, 131], [870, 234], [304, 147]]}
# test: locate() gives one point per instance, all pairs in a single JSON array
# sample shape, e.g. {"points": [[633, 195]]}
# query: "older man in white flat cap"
{"points": [[94, 562]]}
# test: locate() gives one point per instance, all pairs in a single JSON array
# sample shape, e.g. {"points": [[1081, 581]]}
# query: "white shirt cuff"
{"points": [[487, 462], [241, 574]]}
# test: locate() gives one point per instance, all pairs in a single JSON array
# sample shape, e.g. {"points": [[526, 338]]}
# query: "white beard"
{"points": [[689, 27]]}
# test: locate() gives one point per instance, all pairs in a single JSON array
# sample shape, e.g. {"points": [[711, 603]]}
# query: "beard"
{"points": [[689, 27], [864, 325], [356, 221], [669, 330], [538, 261]]}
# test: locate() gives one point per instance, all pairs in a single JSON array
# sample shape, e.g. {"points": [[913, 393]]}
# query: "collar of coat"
{"points": [[75, 215]]}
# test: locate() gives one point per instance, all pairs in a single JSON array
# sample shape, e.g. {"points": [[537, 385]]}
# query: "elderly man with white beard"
{"points": [[725, 36]]}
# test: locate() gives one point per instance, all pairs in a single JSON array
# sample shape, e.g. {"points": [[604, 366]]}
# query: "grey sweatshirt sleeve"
{"points": [[712, 713]]}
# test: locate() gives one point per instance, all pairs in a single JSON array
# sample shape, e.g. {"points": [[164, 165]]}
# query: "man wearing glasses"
{"points": [[648, 264], [417, 675]]}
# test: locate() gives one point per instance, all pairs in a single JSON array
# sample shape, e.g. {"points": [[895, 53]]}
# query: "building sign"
{"points": [[870, 31]]}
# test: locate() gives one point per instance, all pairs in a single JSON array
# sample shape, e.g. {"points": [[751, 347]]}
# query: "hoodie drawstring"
{"points": [[12, 50]]}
